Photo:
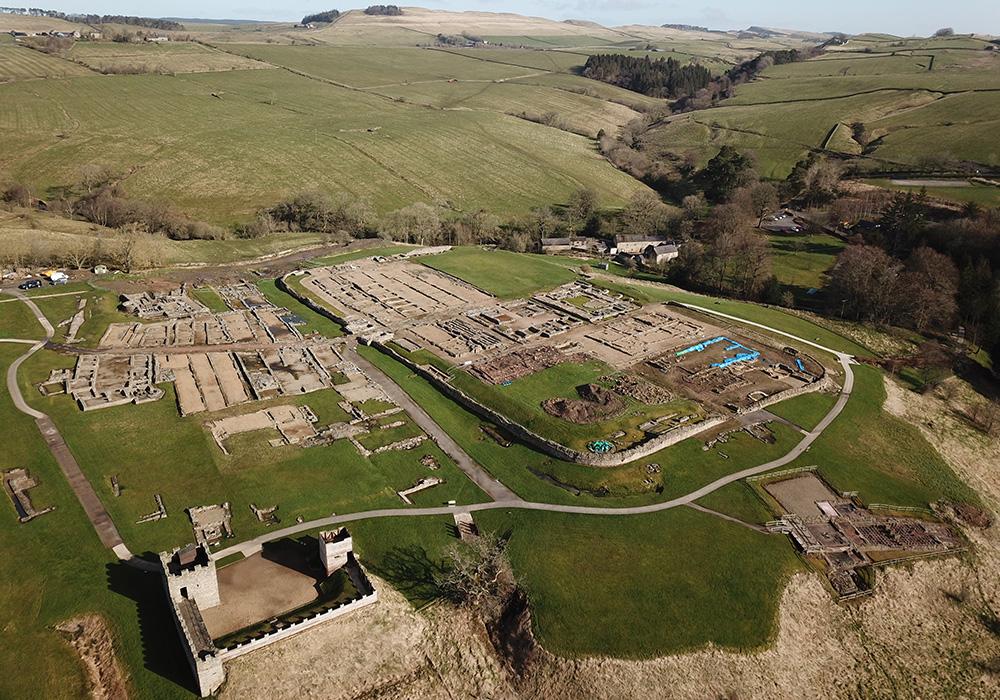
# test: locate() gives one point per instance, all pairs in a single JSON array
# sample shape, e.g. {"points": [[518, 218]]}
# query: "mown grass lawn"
{"points": [[807, 410], [645, 586], [17, 321], [882, 457], [210, 298], [802, 261], [55, 568], [501, 273]]}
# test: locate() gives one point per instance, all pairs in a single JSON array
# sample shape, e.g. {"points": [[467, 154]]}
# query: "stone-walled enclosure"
{"points": [[191, 582]]}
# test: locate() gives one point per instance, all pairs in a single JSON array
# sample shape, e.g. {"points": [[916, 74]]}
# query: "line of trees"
{"points": [[327, 16], [148, 22], [387, 10], [663, 77]]}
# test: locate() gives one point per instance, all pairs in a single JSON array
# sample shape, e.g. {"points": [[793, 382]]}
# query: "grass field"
{"points": [[318, 137], [983, 195], [172, 57], [17, 321], [800, 262], [501, 273], [55, 568], [210, 298], [806, 411], [364, 68], [21, 63], [645, 586], [883, 458], [909, 110]]}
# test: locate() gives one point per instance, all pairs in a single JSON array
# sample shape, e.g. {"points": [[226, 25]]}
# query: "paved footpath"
{"points": [[493, 488], [92, 506]]}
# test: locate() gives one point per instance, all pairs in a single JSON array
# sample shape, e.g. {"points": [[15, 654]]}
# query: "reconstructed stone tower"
{"points": [[335, 546], [190, 579]]}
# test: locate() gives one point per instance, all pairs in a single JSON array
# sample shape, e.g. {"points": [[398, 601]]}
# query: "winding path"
{"points": [[89, 500], [502, 496], [252, 546]]}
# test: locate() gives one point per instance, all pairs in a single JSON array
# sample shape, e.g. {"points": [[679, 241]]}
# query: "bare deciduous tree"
{"points": [[479, 576]]}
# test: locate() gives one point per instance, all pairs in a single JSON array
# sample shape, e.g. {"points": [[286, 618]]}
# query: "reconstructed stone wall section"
{"points": [[549, 447], [822, 385], [321, 310], [260, 642]]}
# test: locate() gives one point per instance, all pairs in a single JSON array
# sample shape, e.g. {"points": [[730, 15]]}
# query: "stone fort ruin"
{"points": [[220, 618]]}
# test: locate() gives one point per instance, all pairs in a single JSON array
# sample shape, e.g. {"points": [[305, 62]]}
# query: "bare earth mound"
{"points": [[595, 404], [90, 638]]}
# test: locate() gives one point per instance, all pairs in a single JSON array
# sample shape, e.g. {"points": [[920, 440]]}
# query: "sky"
{"points": [[903, 17]]}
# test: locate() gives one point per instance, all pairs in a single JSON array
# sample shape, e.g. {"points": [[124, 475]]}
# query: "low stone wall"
{"points": [[317, 619], [281, 284], [820, 385], [549, 447]]}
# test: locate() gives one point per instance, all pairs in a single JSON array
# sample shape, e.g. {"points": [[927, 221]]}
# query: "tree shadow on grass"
{"points": [[161, 646], [411, 571], [797, 245]]}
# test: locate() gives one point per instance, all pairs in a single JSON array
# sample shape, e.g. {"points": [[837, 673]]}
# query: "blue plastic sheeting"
{"points": [[735, 345], [798, 363], [741, 357], [700, 346]]}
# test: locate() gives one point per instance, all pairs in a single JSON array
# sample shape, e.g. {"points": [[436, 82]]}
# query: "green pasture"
{"points": [[645, 586], [978, 193], [319, 137], [579, 113], [801, 261], [364, 68], [22, 63], [501, 273], [210, 298]]}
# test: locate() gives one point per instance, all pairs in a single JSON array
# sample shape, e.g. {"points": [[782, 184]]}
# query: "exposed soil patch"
{"points": [[91, 639], [595, 404]]}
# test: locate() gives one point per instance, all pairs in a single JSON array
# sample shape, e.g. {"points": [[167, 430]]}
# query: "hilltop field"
{"points": [[505, 127], [897, 104]]}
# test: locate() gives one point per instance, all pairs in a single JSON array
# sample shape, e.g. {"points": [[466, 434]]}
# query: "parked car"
{"points": [[30, 284]]}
